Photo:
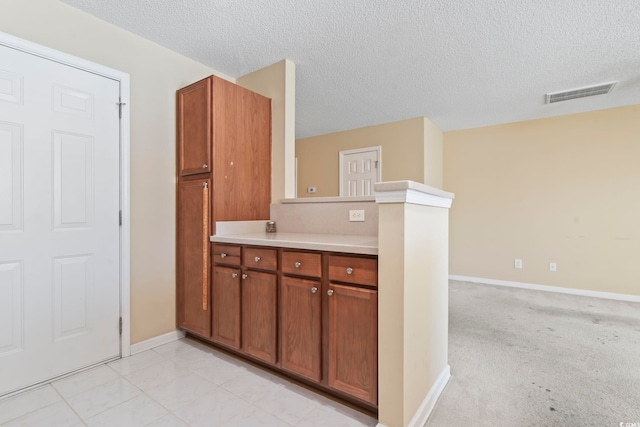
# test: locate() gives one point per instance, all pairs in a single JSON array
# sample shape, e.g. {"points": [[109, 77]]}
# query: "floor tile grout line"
{"points": [[35, 410]]}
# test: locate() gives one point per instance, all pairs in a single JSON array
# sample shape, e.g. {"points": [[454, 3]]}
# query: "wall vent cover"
{"points": [[581, 92]]}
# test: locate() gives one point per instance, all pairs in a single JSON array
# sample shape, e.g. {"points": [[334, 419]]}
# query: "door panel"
{"points": [[353, 341], [225, 306], [360, 170], [193, 259], [301, 326], [59, 210], [259, 317], [194, 128]]}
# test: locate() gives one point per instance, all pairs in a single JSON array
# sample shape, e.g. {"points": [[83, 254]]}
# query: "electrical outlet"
{"points": [[517, 263], [553, 266], [356, 215], [311, 190]]}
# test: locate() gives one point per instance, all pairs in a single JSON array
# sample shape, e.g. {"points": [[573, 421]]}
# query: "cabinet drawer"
{"points": [[363, 271], [265, 259], [302, 263], [226, 254]]}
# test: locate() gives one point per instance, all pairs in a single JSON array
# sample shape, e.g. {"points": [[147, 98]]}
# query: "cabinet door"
{"points": [[193, 126], [259, 306], [193, 231], [225, 306], [301, 327], [353, 341], [254, 167]]}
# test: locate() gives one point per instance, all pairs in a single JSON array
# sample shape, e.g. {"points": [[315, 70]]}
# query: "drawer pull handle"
{"points": [[330, 292], [205, 166], [256, 259], [223, 255], [244, 276], [349, 270], [234, 275], [297, 265], [314, 290]]}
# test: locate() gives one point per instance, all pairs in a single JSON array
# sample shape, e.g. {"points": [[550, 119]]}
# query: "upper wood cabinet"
{"points": [[193, 128], [194, 229]]}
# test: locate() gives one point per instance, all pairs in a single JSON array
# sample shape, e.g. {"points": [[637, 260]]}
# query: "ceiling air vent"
{"points": [[581, 92]]}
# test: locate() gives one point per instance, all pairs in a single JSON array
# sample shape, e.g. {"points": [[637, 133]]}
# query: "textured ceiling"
{"points": [[462, 63]]}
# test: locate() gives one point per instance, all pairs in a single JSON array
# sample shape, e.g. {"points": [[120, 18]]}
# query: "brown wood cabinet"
{"points": [[225, 306], [259, 315], [353, 341], [224, 141], [193, 256], [301, 327]]}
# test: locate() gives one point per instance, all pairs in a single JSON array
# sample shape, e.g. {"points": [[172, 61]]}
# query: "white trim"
{"points": [[546, 288], [125, 231], [156, 341], [377, 148], [421, 416], [413, 197]]}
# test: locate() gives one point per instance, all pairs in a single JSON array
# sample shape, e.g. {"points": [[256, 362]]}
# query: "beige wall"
{"points": [[278, 82], [433, 146], [412, 308], [563, 189], [402, 155], [155, 74]]}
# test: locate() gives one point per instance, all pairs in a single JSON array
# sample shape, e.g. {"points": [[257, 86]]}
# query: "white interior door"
{"points": [[59, 227], [359, 170]]}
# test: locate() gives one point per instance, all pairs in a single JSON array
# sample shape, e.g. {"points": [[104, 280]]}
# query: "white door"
{"points": [[359, 170], [59, 226]]}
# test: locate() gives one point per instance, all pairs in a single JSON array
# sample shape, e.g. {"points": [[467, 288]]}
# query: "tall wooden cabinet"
{"points": [[223, 134]]}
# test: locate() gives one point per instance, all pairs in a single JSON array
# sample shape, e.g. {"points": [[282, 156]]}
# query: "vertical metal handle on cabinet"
{"points": [[330, 292], [205, 246]]}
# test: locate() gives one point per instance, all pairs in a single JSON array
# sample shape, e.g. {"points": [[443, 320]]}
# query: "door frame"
{"points": [[377, 148], [125, 162]]}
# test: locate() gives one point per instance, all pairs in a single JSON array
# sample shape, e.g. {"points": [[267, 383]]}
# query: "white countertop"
{"points": [[319, 242]]}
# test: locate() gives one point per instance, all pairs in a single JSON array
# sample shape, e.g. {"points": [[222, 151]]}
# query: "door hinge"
{"points": [[120, 325], [120, 105], [375, 164], [120, 218]]}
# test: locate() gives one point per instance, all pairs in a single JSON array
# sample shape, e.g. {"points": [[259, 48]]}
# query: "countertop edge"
{"points": [[362, 249]]}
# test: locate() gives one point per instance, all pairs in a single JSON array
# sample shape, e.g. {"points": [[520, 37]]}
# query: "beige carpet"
{"points": [[529, 358]]}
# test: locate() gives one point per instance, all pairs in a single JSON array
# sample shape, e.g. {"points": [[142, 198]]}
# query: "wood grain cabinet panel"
{"points": [[301, 327], [259, 317], [193, 230], [263, 259], [302, 263], [362, 271], [353, 341], [226, 254], [225, 306], [193, 127]]}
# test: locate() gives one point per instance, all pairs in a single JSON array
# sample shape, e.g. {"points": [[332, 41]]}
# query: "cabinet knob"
{"points": [[256, 259], [223, 255], [205, 166], [330, 292], [297, 265], [314, 290], [244, 276], [234, 275], [349, 270]]}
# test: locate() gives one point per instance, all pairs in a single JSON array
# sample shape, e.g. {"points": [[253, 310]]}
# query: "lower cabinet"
{"points": [[259, 318], [226, 306], [301, 327], [311, 314], [353, 341]]}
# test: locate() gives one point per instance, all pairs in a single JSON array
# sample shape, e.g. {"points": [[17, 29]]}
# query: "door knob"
{"points": [[330, 292], [234, 275], [297, 265], [349, 270], [244, 276], [223, 255], [314, 290], [257, 259]]}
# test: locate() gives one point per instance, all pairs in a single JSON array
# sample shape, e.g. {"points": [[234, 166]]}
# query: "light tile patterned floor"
{"points": [[183, 383]]}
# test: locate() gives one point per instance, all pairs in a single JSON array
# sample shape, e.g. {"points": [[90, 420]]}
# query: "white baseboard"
{"points": [[156, 341], [426, 407], [546, 288]]}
